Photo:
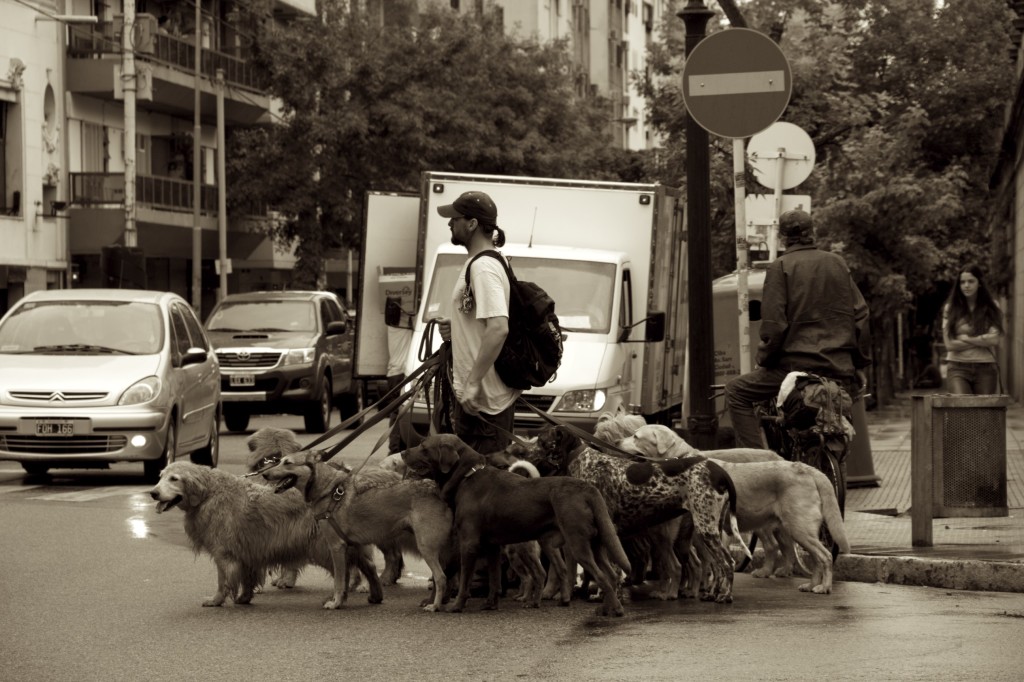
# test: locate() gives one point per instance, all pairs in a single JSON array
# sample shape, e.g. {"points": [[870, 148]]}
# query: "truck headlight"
{"points": [[589, 400], [299, 356]]}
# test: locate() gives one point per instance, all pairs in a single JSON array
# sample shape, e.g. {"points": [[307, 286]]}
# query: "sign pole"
{"points": [[702, 423], [773, 242], [742, 265]]}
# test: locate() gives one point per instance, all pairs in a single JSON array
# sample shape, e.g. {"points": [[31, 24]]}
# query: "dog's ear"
{"points": [[447, 456], [193, 486]]}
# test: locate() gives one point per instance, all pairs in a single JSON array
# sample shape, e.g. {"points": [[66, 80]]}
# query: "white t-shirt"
{"points": [[490, 299], [399, 340]]}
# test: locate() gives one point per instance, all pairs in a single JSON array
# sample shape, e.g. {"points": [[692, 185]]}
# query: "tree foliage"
{"points": [[368, 108], [904, 100]]}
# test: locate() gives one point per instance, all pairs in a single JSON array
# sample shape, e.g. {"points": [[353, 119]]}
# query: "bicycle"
{"points": [[814, 431]]}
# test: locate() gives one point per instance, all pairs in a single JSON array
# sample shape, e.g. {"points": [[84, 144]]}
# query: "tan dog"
{"points": [[373, 507], [495, 508], [266, 447], [246, 528], [772, 495], [611, 428]]}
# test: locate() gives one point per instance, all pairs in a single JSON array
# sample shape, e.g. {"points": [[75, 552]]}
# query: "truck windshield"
{"points": [[582, 290], [245, 316]]}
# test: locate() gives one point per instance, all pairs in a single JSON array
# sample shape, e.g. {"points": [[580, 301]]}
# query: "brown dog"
{"points": [[495, 508], [373, 507]]}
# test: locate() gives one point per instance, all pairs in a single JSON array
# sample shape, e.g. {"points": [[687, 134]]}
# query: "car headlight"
{"points": [[300, 356], [589, 400], [141, 392]]}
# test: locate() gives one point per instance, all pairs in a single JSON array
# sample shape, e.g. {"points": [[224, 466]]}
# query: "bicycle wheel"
{"points": [[835, 470]]}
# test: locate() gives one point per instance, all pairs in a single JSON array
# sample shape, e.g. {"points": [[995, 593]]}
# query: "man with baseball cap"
{"points": [[478, 327], [813, 319]]}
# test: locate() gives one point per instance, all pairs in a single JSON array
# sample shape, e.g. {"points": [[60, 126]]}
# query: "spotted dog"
{"points": [[641, 496]]}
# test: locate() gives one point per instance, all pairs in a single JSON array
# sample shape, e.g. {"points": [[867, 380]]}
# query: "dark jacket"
{"points": [[813, 316]]}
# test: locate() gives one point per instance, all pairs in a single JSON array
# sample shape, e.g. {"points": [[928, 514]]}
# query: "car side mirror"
{"points": [[334, 328], [654, 330], [193, 356]]}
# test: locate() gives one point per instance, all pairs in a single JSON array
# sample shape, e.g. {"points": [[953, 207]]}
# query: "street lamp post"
{"points": [[702, 422]]}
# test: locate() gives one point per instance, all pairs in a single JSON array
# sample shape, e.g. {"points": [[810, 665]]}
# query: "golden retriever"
{"points": [[772, 495], [373, 507], [246, 528]]}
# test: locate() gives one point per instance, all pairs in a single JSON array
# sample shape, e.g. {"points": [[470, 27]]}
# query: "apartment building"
{"points": [[84, 205], [609, 40]]}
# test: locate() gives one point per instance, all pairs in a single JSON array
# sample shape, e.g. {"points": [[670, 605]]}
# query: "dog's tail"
{"points": [[608, 535], [722, 483], [830, 510], [524, 468]]}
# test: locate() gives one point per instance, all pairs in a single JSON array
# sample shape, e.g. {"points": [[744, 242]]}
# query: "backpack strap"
{"points": [[493, 254]]}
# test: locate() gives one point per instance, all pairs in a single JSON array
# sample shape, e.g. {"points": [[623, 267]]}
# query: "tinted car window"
{"points": [[195, 331], [180, 336]]}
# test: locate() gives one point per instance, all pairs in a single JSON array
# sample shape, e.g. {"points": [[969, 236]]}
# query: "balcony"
{"points": [[106, 190], [94, 56]]}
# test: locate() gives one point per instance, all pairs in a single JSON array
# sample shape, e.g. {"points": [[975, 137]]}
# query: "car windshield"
{"points": [[83, 327], [581, 290], [263, 316]]}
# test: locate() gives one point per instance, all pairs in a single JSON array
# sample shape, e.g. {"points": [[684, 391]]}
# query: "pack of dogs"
{"points": [[562, 517]]}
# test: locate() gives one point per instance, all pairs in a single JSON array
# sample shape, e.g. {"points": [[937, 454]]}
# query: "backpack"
{"points": [[533, 348]]}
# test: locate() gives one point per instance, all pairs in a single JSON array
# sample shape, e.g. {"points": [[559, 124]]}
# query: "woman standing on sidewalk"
{"points": [[972, 325]]}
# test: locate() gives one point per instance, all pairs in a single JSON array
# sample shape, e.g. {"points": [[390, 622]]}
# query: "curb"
{"points": [[982, 576], [986, 576]]}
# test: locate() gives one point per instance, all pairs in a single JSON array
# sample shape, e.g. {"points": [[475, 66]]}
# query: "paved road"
{"points": [[97, 586]]}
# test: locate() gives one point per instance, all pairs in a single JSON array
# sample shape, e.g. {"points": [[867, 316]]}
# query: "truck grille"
{"points": [[247, 360], [61, 446], [541, 402]]}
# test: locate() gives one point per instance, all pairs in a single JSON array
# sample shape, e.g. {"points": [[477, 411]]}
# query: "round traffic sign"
{"points": [[795, 147], [736, 82]]}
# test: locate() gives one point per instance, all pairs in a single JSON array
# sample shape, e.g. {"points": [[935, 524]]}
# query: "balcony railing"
{"points": [[87, 41], [167, 194]]}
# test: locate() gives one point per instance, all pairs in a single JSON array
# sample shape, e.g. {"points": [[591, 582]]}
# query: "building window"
{"points": [[11, 139]]}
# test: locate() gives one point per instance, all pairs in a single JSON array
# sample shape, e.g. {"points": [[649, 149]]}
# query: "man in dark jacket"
{"points": [[813, 319]]}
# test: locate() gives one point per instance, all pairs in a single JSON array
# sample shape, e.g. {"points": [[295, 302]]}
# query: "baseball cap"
{"points": [[795, 223], [471, 205]]}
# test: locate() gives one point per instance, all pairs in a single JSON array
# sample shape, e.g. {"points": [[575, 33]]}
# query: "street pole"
{"points": [[131, 235], [197, 167], [701, 422], [222, 190]]}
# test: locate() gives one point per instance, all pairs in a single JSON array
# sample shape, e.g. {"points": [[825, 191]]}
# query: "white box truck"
{"points": [[611, 255]]}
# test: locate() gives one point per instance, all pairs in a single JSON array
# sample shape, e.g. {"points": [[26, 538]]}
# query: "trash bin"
{"points": [[958, 445]]}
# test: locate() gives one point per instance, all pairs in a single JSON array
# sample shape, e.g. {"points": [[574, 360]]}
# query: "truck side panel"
{"points": [[664, 363], [388, 242]]}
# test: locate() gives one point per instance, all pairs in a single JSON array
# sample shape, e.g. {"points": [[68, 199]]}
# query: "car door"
{"points": [[339, 346], [194, 384]]}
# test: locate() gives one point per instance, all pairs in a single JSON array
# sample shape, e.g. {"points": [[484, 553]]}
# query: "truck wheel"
{"points": [[235, 419], [318, 412], [350, 404]]}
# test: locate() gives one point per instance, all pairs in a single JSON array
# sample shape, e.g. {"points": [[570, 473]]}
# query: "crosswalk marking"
{"points": [[91, 494]]}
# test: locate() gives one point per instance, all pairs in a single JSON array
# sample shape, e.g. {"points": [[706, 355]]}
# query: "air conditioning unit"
{"points": [[143, 38]]}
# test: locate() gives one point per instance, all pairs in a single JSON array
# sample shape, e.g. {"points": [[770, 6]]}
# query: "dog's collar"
{"points": [[475, 469], [337, 495]]}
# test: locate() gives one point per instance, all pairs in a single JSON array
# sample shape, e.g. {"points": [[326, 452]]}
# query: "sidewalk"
{"points": [[974, 553]]}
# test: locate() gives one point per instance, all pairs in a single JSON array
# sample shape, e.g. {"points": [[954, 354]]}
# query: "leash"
{"points": [[589, 438]]}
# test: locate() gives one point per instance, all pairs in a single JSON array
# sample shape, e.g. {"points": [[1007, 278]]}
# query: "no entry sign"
{"points": [[736, 83]]}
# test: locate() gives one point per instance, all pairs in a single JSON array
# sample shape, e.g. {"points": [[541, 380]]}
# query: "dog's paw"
{"points": [[531, 604], [334, 603], [606, 611], [431, 608], [375, 599], [761, 573], [213, 601]]}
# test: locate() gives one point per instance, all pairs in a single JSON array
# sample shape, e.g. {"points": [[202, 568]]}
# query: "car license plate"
{"points": [[242, 380], [52, 427]]}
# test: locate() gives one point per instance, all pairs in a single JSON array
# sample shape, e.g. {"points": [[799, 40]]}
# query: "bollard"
{"points": [[860, 468]]}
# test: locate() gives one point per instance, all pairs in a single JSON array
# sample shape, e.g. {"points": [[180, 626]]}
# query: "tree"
{"points": [[903, 100], [368, 107]]}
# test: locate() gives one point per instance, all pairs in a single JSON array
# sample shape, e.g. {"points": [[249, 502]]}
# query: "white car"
{"points": [[94, 376]]}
